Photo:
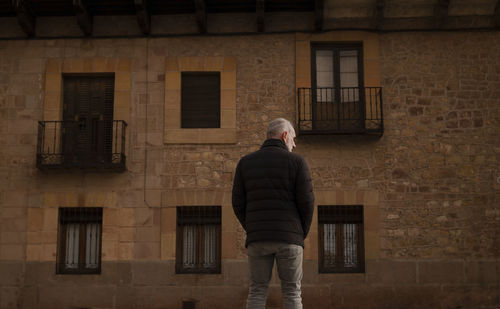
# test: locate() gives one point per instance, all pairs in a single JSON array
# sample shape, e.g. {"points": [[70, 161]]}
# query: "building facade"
{"points": [[116, 178]]}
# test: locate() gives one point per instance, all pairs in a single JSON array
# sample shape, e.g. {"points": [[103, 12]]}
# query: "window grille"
{"points": [[79, 240], [198, 239], [341, 239]]}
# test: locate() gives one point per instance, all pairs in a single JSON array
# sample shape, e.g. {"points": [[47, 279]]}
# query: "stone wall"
{"points": [[430, 184]]}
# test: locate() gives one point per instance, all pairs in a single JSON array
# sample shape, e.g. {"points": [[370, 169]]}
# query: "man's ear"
{"points": [[283, 136]]}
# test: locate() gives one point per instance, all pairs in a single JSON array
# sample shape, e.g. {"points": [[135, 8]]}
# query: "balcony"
{"points": [[350, 110], [86, 144]]}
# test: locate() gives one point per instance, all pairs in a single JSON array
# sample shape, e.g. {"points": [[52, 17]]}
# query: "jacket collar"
{"points": [[272, 142]]}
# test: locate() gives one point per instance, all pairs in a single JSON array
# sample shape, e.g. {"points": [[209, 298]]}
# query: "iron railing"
{"points": [[348, 110], [98, 144]]}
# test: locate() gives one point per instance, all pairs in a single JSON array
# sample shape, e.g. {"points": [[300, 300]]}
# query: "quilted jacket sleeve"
{"points": [[304, 196], [239, 198]]}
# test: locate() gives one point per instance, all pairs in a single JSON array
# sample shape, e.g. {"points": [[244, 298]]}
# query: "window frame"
{"points": [[350, 218], [214, 218], [336, 47], [337, 94], [95, 215]]}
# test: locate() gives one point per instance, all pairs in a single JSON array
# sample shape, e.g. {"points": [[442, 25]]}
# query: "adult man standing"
{"points": [[274, 202]]}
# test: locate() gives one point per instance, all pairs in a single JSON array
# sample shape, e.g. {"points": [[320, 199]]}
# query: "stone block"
{"points": [[143, 216], [33, 252], [363, 296], [110, 217], [224, 297], [125, 251], [228, 119], [469, 297], [171, 64], [391, 272], [227, 80], [50, 219], [122, 100], [482, 272], [168, 246], [29, 297], [317, 297], [12, 252], [168, 220], [229, 64], [153, 273], [147, 234], [122, 81], [172, 118], [48, 252], [441, 272], [214, 64], [109, 250], [10, 297], [147, 251], [53, 66], [56, 297], [126, 217], [123, 65], [98, 65], [16, 198], [12, 273], [229, 245], [34, 237], [372, 244], [172, 81], [49, 237], [371, 219]]}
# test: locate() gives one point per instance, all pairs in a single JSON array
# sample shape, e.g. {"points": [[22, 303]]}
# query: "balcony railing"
{"points": [[350, 110], [95, 144]]}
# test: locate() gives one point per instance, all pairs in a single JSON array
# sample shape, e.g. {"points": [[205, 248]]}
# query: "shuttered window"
{"points": [[79, 240], [198, 239], [341, 239], [200, 99], [88, 117]]}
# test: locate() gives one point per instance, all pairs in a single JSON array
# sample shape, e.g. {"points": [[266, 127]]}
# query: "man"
{"points": [[273, 200]]}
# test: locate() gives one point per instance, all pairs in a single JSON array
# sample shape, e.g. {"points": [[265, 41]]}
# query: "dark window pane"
{"points": [[200, 100]]}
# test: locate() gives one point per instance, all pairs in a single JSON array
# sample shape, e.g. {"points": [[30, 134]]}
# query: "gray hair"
{"points": [[278, 126]]}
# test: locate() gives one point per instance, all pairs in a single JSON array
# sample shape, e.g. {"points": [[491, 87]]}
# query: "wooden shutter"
{"points": [[200, 97], [88, 116]]}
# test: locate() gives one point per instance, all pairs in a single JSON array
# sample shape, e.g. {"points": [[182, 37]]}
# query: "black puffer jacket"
{"points": [[272, 195]]}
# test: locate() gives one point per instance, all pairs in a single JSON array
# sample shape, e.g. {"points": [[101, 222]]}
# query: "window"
{"points": [[200, 99], [341, 239], [198, 239], [337, 91], [79, 240], [88, 118]]}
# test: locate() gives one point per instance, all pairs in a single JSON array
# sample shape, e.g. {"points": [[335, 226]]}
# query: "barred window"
{"points": [[79, 240], [198, 239], [341, 239]]}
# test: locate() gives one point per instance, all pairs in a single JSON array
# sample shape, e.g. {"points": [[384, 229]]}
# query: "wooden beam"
{"points": [[378, 14], [83, 17], [496, 15], [440, 13], [318, 14], [201, 15], [25, 16], [143, 15], [260, 9]]}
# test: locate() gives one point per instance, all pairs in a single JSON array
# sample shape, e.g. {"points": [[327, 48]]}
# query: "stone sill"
{"points": [[200, 136]]}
